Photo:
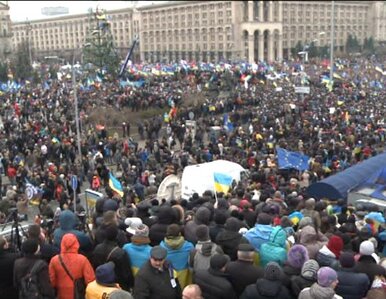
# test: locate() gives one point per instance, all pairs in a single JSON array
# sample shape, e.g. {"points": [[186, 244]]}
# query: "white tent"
{"points": [[199, 178]]}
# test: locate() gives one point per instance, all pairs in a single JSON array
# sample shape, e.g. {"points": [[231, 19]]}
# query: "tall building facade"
{"points": [[214, 30], [5, 32]]}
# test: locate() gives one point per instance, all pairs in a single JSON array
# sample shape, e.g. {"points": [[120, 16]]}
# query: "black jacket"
{"points": [[7, 260], [366, 264], [242, 274], [352, 285], [214, 284], [151, 283], [120, 258], [24, 265], [266, 289]]}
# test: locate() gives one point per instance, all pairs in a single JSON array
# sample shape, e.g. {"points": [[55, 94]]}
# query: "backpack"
{"points": [[29, 284]]}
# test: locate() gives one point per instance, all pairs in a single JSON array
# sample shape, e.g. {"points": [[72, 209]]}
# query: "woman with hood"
{"points": [[275, 249], [77, 264], [178, 253], [312, 239]]}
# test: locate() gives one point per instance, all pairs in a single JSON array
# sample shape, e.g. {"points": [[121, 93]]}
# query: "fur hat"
{"points": [[310, 269], [142, 230], [297, 256], [203, 215], [273, 271]]}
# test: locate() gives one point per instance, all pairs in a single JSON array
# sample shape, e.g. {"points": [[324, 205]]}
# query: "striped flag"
{"points": [[222, 182], [115, 185]]}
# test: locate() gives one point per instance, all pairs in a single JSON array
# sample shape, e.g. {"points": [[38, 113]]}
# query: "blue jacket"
{"points": [[258, 235], [275, 250], [68, 222]]}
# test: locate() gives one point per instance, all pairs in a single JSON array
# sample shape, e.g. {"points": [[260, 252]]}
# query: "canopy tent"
{"points": [[337, 186]]}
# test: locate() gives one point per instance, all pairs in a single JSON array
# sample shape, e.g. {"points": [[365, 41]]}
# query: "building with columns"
{"points": [[214, 30], [5, 31]]}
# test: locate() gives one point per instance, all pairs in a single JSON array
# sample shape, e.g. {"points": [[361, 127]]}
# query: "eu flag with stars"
{"points": [[287, 160]]}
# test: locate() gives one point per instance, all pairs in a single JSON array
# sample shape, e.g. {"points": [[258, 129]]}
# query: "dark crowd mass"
{"points": [[263, 238]]}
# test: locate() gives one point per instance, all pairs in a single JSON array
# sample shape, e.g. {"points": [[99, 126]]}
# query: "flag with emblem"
{"points": [[287, 160]]}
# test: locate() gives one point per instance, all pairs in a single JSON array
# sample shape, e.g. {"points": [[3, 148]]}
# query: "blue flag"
{"points": [[287, 159]]}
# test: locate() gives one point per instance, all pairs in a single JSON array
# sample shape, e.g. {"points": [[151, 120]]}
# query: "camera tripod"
{"points": [[15, 238]]}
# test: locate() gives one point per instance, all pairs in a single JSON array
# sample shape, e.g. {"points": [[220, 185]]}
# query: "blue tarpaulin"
{"points": [[370, 171]]}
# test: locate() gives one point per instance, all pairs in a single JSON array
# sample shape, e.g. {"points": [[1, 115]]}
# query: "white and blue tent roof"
{"points": [[370, 172]]}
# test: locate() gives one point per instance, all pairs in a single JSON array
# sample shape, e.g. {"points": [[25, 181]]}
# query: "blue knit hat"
{"points": [[105, 274]]}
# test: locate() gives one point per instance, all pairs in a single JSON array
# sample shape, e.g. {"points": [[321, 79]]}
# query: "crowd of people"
{"points": [[241, 244]]}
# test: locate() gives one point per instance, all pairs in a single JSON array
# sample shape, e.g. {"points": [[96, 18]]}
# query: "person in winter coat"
{"points": [[243, 272], [178, 252], [260, 233], [325, 286], [214, 282], [156, 278], [328, 255], [230, 238], [296, 257], [313, 240], [367, 263], [199, 258], [104, 283], [309, 211], [275, 250], [351, 285], [268, 287], [139, 249], [23, 265], [202, 216], [110, 251], [306, 279], [7, 260], [166, 216], [77, 264], [68, 222]]}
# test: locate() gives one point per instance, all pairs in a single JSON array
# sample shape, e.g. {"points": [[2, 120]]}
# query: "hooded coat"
{"points": [[77, 264], [202, 216], [275, 250], [68, 222], [258, 235], [266, 289], [312, 240], [200, 258]]}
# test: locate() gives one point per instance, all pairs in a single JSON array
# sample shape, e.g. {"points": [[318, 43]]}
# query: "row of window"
{"points": [[177, 47], [189, 17], [182, 10]]}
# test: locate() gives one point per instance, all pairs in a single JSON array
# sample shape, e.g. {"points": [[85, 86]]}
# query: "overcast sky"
{"points": [[31, 10]]}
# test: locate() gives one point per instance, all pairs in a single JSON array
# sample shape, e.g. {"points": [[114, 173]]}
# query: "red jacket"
{"points": [[77, 264]]}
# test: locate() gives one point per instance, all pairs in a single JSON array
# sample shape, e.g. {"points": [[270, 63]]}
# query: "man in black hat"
{"points": [[156, 278], [214, 281], [242, 272]]}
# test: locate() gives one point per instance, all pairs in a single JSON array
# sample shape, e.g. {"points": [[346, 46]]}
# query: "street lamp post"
{"points": [[332, 39]]}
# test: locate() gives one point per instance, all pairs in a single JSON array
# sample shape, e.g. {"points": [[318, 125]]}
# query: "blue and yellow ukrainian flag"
{"points": [[295, 217], [222, 182], [115, 184]]}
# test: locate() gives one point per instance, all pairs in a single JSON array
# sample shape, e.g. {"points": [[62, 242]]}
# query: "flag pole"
{"points": [[215, 193]]}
